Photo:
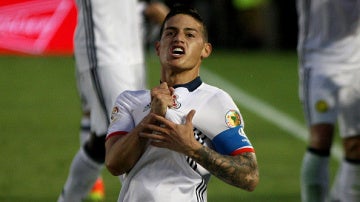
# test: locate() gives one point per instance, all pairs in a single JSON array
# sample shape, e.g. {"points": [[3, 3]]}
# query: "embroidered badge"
{"points": [[176, 104], [232, 118], [322, 106], [114, 113]]}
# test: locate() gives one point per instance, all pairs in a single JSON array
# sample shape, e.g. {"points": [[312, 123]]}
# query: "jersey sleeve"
{"points": [[121, 121], [221, 121]]}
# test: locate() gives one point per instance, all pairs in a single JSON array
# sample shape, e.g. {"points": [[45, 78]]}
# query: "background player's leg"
{"points": [[347, 184], [84, 128], [314, 177], [97, 192], [83, 173], [315, 165], [84, 170]]}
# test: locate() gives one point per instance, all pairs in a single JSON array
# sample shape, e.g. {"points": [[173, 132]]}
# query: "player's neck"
{"points": [[179, 78]]}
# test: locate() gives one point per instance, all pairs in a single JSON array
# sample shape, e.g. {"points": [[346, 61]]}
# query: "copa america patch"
{"points": [[232, 118]]}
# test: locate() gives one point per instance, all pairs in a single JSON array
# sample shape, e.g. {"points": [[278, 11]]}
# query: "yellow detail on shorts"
{"points": [[321, 106]]}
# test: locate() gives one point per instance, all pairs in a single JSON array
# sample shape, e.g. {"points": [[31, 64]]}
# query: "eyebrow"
{"points": [[186, 29]]}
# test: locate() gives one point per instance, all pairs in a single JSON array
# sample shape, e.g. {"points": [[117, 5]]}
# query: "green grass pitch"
{"points": [[40, 113]]}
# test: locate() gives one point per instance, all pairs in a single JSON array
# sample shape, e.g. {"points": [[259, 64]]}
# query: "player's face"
{"points": [[182, 45]]}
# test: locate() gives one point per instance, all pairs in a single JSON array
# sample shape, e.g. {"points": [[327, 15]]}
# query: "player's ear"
{"points": [[157, 48], [206, 50]]}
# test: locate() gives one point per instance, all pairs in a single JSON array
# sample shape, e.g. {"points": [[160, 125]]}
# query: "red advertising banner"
{"points": [[37, 27]]}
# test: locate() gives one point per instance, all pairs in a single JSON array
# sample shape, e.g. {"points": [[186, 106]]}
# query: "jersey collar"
{"points": [[192, 85]]}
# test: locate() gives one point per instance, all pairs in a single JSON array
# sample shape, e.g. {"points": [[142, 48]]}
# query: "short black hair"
{"points": [[186, 10]]}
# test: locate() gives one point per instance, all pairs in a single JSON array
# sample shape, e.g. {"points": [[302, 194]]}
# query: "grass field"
{"points": [[39, 120]]}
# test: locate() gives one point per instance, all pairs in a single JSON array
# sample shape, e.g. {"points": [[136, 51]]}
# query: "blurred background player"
{"points": [[109, 56], [329, 69]]}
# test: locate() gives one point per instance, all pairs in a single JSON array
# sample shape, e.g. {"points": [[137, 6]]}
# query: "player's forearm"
{"points": [[122, 155], [240, 171]]}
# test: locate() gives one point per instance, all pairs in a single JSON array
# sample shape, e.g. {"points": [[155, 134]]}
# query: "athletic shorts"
{"points": [[98, 91], [109, 55], [332, 96]]}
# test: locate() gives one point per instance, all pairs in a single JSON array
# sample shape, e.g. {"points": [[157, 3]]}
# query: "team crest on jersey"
{"points": [[176, 104], [232, 118], [114, 113], [322, 106]]}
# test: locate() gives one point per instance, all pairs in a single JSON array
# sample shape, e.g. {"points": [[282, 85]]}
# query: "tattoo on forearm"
{"points": [[240, 171]]}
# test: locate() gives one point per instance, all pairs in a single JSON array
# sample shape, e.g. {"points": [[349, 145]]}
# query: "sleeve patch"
{"points": [[232, 141], [115, 113], [232, 118]]}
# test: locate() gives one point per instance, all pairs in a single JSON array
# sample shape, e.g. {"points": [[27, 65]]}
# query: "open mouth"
{"points": [[177, 51]]}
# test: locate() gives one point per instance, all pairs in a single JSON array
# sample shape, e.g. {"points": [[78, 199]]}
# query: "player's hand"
{"points": [[177, 137], [161, 99]]}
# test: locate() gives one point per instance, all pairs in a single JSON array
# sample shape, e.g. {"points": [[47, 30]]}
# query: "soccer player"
{"points": [[166, 142], [329, 69], [109, 59]]}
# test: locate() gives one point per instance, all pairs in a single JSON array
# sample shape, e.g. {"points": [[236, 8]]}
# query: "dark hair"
{"points": [[186, 10]]}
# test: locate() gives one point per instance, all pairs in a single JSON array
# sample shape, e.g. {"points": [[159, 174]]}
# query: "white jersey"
{"points": [[168, 176], [329, 34]]}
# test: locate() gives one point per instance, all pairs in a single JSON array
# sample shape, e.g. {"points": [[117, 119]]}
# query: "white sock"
{"points": [[314, 178], [347, 184], [84, 130], [82, 175]]}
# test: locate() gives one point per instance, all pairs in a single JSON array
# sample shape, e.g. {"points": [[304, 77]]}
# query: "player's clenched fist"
{"points": [[161, 98]]}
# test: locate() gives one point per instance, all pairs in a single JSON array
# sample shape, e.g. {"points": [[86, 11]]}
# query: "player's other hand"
{"points": [[167, 134]]}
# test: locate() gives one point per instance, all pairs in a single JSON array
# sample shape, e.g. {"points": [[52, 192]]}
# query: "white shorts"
{"points": [[109, 56], [331, 96], [98, 91]]}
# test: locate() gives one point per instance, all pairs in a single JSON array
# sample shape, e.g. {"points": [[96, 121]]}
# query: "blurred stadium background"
{"points": [[254, 60]]}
